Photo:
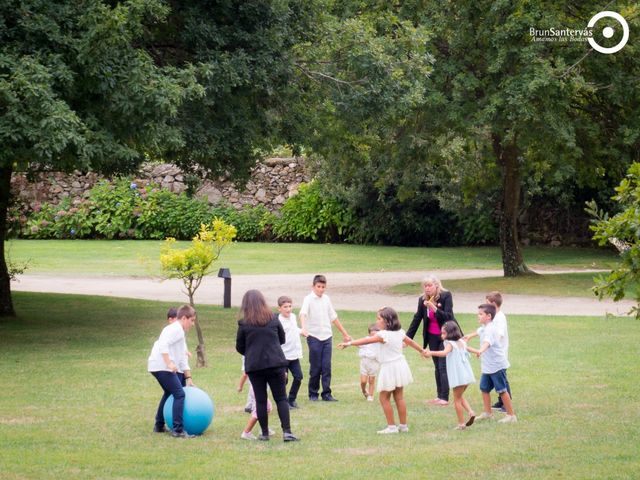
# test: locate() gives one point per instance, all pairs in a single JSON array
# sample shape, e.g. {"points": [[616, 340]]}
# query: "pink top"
{"points": [[433, 328]]}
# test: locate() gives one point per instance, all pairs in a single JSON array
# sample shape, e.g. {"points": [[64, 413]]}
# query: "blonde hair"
{"points": [[436, 281]]}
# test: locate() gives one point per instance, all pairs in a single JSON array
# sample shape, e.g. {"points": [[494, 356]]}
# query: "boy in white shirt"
{"points": [[169, 364], [494, 364], [316, 318], [292, 347]]}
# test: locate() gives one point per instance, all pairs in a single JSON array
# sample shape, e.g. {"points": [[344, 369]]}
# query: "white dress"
{"points": [[459, 370], [394, 369]]}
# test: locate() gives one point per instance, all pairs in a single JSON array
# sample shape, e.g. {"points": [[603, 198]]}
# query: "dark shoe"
{"points": [[247, 409], [161, 429], [263, 438], [182, 434], [293, 404], [329, 398], [497, 406], [313, 399], [290, 437]]}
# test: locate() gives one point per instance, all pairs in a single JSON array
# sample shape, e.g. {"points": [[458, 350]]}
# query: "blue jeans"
{"points": [[296, 372], [496, 380], [172, 384], [319, 366]]}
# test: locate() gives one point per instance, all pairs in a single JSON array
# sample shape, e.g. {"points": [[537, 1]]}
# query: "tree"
{"points": [[192, 264], [76, 92], [623, 231]]}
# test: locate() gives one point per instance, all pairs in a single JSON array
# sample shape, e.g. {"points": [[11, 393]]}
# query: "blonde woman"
{"points": [[435, 308]]}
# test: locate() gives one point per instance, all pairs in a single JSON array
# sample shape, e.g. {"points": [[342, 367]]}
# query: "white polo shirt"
{"points": [[319, 314], [292, 346], [173, 342]]}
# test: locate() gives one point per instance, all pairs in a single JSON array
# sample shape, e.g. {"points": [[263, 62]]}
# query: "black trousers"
{"points": [[442, 382], [296, 371], [276, 379]]}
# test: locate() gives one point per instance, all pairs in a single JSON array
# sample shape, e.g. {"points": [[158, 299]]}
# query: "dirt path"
{"points": [[348, 291]]}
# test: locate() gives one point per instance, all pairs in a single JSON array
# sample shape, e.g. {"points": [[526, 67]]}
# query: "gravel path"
{"points": [[348, 291]]}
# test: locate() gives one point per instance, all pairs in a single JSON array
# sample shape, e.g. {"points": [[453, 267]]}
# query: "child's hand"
{"points": [[426, 353], [343, 345], [240, 388], [304, 332], [466, 338]]}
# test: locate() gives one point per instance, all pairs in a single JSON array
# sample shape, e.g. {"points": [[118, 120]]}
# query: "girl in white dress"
{"points": [[459, 372], [394, 372]]}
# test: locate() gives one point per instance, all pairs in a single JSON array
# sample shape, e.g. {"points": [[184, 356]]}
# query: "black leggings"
{"points": [[276, 379], [442, 382]]}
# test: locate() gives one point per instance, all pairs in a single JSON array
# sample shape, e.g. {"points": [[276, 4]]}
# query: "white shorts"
{"points": [[369, 366]]}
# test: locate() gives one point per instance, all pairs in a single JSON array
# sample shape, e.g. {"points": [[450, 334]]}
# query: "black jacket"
{"points": [[444, 313], [261, 345]]}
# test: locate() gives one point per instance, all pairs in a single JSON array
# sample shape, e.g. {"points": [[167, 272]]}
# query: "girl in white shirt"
{"points": [[394, 372]]}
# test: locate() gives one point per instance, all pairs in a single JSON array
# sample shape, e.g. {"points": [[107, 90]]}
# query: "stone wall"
{"points": [[272, 181]]}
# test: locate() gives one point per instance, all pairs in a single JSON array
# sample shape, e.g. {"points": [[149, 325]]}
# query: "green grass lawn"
{"points": [[141, 258], [553, 285], [77, 403]]}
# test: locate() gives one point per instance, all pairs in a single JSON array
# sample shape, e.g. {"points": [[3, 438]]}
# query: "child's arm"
{"points": [[469, 336], [243, 379], [412, 343], [439, 353], [360, 341], [343, 331], [485, 346]]}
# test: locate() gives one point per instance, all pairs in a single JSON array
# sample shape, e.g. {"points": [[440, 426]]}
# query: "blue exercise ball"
{"points": [[198, 411]]}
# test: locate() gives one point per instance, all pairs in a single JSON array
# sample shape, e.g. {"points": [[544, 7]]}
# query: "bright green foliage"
{"points": [[623, 231], [312, 216], [253, 223], [191, 265]]}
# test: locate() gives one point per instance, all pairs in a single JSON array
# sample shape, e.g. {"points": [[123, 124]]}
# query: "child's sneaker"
{"points": [[369, 398], [389, 429], [508, 419], [247, 436], [484, 416], [403, 428]]}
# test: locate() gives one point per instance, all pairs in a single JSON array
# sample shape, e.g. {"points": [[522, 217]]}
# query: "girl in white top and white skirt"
{"points": [[394, 372]]}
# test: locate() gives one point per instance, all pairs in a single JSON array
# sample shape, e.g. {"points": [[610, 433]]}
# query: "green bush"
{"points": [[313, 216], [252, 223]]}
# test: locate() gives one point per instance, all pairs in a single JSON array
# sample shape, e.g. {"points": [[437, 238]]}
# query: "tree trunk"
{"points": [[6, 303], [507, 158], [201, 356]]}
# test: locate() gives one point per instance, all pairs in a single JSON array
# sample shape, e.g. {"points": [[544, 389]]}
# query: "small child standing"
{"points": [[292, 347], [494, 364], [394, 372], [459, 372], [369, 365]]}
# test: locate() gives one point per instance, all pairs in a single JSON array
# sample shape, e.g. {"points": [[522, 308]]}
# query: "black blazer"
{"points": [[261, 345], [444, 313]]}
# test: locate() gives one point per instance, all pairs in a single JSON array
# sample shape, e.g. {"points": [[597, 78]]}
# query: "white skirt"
{"points": [[393, 375]]}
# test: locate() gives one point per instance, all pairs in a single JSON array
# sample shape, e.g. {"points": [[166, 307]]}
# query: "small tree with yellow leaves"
{"points": [[192, 264]]}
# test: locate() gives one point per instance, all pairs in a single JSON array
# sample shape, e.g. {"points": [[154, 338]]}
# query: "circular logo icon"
{"points": [[608, 32]]}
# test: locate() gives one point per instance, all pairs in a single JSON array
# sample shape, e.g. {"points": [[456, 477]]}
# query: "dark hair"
{"points": [[172, 313], [254, 309], [373, 328], [488, 308], [494, 297], [186, 311], [390, 317], [284, 299], [452, 330], [319, 279]]}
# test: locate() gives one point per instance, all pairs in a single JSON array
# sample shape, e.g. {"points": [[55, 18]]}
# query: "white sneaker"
{"points": [[403, 428], [508, 419], [484, 416], [247, 436], [369, 398], [389, 429], [272, 432]]}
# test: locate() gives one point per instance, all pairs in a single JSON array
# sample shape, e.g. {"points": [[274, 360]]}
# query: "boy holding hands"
{"points": [[494, 363], [316, 318], [292, 347]]}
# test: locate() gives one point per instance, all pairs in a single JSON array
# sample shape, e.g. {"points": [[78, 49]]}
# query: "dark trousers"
{"points": [[442, 383], [296, 372], [319, 366], [172, 384], [276, 379]]}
